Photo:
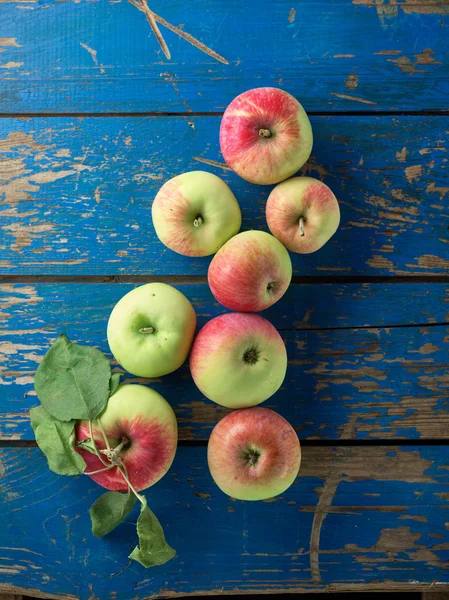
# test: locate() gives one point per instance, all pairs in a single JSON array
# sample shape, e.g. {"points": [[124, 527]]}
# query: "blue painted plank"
{"points": [[356, 518], [357, 369], [76, 194], [101, 56]]}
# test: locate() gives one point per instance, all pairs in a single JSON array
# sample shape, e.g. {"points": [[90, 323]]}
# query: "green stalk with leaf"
{"points": [[74, 384]]}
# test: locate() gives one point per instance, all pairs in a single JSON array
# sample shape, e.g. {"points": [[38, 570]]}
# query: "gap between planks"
{"points": [[202, 279], [321, 443], [311, 113]]}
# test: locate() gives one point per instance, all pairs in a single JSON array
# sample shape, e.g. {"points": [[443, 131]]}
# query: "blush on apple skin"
{"points": [[303, 214], [253, 454], [145, 419], [265, 135], [238, 360], [195, 213], [250, 272]]}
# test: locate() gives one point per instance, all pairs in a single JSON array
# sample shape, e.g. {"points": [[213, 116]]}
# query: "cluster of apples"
{"points": [[238, 359]]}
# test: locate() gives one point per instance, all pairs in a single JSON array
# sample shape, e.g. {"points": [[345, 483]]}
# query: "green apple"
{"points": [[151, 329], [195, 213]]}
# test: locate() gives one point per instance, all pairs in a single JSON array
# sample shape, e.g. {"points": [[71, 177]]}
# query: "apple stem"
{"points": [[198, 221], [124, 473], [95, 446], [146, 330], [265, 133], [103, 433], [99, 470], [301, 226]]}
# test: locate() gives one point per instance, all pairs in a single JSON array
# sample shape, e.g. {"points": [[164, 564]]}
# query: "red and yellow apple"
{"points": [[303, 214], [142, 426], [250, 272], [151, 329], [195, 213], [253, 454], [238, 360], [265, 135]]}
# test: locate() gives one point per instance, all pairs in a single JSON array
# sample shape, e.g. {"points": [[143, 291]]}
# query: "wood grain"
{"points": [[383, 525], [103, 57], [76, 194], [366, 361]]}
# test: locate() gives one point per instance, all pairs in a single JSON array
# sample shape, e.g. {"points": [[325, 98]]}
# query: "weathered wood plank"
{"points": [[101, 56], [382, 373], [76, 194], [383, 525]]}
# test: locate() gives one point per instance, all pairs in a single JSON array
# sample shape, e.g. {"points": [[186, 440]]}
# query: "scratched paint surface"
{"points": [[76, 194], [356, 367], [367, 361], [354, 516], [101, 57]]}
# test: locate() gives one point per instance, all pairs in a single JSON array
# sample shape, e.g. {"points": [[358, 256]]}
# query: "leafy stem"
{"points": [[97, 452], [103, 433]]}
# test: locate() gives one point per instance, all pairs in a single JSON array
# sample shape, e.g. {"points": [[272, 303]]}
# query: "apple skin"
{"points": [[309, 199], [265, 135], [156, 306], [250, 272], [238, 360], [253, 454], [141, 416], [195, 213]]}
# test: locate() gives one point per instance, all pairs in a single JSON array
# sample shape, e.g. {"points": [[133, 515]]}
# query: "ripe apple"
{"points": [[142, 426], [253, 454], [303, 214], [151, 329], [238, 360], [195, 213], [265, 135], [250, 272]]}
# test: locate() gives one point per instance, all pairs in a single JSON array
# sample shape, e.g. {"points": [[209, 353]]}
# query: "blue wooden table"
{"points": [[93, 119]]}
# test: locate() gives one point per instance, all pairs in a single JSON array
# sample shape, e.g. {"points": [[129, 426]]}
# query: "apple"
{"points": [[253, 454], [195, 213], [238, 360], [151, 329], [265, 135], [303, 214], [250, 272], [142, 427]]}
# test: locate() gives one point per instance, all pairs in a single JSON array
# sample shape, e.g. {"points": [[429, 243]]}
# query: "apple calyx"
{"points": [[113, 454], [252, 456], [301, 226], [251, 356], [271, 286], [265, 133], [147, 330], [198, 221]]}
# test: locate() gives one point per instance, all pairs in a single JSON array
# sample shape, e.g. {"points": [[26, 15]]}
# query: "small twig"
{"points": [[124, 471], [99, 470], [95, 446], [186, 36], [143, 6], [103, 433]]}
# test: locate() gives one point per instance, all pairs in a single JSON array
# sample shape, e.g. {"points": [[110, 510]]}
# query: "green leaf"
{"points": [[114, 382], [38, 414], [56, 440], [153, 549], [72, 381], [87, 445], [109, 511]]}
